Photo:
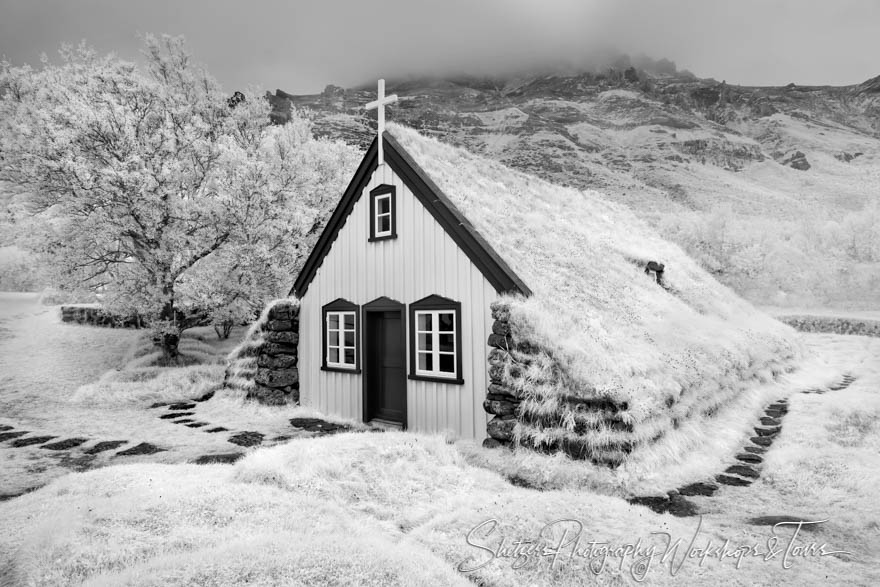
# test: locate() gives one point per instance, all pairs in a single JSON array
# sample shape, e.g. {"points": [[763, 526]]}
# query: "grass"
{"points": [[394, 508], [193, 525]]}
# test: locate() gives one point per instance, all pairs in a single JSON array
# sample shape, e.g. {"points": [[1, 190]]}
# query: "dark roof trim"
{"points": [[481, 254], [462, 232]]}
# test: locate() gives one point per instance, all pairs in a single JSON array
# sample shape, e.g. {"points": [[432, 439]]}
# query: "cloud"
{"points": [[302, 46]]}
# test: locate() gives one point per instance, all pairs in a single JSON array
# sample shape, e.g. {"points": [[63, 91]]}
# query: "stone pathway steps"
{"points": [[19, 439], [174, 413], [741, 474], [185, 413]]}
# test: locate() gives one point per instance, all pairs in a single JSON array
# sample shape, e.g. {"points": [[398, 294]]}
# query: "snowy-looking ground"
{"points": [[389, 508], [66, 380]]}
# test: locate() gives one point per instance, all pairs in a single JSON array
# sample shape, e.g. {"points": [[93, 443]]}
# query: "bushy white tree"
{"points": [[150, 187]]}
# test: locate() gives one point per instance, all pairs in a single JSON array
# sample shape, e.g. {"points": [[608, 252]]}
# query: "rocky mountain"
{"points": [[653, 137]]}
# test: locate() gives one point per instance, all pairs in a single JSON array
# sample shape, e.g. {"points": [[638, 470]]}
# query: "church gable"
{"points": [[383, 218]]}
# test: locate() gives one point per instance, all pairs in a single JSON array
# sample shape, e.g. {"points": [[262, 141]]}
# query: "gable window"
{"points": [[435, 340], [383, 213], [341, 323]]}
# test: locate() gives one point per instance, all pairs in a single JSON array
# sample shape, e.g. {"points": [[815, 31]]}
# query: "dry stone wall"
{"points": [[95, 316], [598, 431], [501, 401], [832, 324], [265, 365]]}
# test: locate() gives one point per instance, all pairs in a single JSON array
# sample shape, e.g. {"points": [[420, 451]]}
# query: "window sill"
{"points": [[374, 239], [450, 380], [340, 370]]}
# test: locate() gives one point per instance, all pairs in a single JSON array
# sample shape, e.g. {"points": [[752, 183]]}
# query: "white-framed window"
{"points": [[383, 222], [436, 343], [340, 352], [382, 217]]}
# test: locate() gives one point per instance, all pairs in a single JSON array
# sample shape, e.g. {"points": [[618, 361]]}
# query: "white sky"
{"points": [[302, 45]]}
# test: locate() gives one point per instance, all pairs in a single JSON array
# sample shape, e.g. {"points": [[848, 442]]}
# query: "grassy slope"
{"points": [[394, 509]]}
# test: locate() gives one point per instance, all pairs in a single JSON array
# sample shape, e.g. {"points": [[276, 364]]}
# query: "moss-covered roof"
{"points": [[597, 317]]}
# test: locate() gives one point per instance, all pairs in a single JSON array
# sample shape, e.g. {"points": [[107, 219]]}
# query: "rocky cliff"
{"points": [[654, 137]]}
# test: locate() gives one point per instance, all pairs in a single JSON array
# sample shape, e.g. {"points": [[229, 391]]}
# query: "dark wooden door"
{"points": [[386, 366]]}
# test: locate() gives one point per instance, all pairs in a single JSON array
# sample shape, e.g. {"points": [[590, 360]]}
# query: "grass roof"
{"points": [[608, 328]]}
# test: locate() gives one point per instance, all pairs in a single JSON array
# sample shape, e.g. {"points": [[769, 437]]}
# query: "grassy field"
{"points": [[405, 509]]}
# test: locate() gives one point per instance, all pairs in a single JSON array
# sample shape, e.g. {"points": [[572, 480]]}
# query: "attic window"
{"points": [[340, 348], [435, 340], [383, 213]]}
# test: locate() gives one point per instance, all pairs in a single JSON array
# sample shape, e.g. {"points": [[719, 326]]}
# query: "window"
{"points": [[340, 348], [435, 339], [383, 213]]}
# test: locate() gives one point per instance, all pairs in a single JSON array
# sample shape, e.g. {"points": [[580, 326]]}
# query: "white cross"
{"points": [[380, 105]]}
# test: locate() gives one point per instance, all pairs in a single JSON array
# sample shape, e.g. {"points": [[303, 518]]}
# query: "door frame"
{"points": [[382, 304]]}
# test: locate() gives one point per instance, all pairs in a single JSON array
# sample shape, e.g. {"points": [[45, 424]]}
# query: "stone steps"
{"points": [[750, 460]]}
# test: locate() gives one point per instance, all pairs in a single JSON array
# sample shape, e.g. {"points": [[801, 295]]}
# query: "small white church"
{"points": [[451, 293], [394, 301]]}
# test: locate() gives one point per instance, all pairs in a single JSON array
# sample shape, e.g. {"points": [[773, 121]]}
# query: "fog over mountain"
{"points": [[304, 46]]}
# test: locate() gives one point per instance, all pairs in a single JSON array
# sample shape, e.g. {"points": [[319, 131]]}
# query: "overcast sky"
{"points": [[302, 45]]}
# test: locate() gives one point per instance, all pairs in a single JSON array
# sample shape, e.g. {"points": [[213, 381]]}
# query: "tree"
{"points": [[152, 186], [270, 238]]}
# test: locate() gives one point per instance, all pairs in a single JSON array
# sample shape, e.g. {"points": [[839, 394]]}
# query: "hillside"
{"points": [[682, 152]]}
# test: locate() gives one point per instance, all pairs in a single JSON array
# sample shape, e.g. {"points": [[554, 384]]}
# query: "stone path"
{"points": [[19, 439], [65, 444], [185, 413], [105, 445], [318, 425], [740, 474], [81, 454], [175, 413], [225, 458]]}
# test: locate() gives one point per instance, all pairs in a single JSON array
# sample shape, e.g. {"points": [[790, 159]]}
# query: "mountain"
{"points": [[666, 143]]}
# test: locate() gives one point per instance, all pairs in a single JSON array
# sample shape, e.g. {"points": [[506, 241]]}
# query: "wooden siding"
{"points": [[421, 261]]}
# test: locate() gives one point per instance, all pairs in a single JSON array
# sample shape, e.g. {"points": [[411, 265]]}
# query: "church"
{"points": [[395, 302], [449, 293]]}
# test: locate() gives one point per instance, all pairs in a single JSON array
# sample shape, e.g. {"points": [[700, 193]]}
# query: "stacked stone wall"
{"points": [[501, 401], [593, 428], [95, 316], [833, 324], [266, 365]]}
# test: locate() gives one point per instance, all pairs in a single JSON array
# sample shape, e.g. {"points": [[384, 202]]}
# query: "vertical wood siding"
{"points": [[421, 261]]}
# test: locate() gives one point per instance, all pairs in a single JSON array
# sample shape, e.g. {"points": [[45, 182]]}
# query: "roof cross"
{"points": [[379, 104]]}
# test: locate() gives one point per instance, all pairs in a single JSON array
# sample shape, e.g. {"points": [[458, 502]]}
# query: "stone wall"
{"points": [[833, 324], [95, 316], [265, 364], [501, 401], [599, 431]]}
